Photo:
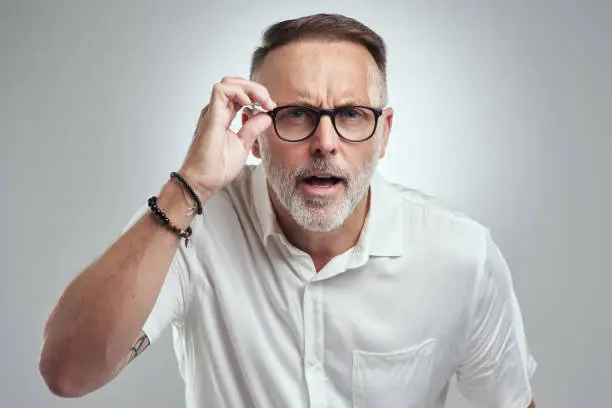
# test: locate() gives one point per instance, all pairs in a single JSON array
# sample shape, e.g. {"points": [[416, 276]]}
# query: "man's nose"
{"points": [[325, 139]]}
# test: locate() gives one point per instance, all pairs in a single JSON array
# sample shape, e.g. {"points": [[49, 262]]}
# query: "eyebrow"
{"points": [[304, 94], [304, 97]]}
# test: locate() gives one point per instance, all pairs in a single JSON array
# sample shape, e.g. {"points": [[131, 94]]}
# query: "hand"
{"points": [[217, 155]]}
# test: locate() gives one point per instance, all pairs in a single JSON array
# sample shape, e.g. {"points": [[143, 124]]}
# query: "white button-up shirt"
{"points": [[424, 295]]}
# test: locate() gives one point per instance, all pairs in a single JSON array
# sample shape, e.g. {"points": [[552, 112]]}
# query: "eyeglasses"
{"points": [[295, 123]]}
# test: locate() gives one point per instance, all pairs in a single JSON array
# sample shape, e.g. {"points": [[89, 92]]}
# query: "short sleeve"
{"points": [[496, 368], [171, 303]]}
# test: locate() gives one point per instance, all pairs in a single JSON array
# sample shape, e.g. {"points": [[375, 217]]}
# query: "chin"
{"points": [[321, 227], [319, 219]]}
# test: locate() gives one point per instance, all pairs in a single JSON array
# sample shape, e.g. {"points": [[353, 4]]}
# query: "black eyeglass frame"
{"points": [[325, 112]]}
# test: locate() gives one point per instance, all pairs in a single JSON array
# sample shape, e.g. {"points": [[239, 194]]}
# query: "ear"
{"points": [[387, 122], [255, 148]]}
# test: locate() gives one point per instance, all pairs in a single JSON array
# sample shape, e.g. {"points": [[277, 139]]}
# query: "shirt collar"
{"points": [[382, 233], [383, 230]]}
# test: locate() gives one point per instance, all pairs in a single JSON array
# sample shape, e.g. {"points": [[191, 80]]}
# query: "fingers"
{"points": [[256, 92], [227, 98], [240, 92], [252, 128], [230, 96]]}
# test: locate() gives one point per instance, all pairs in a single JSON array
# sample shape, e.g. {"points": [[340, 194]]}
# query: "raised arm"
{"points": [[93, 331]]}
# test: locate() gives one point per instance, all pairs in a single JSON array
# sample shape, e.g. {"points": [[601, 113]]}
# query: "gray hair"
{"points": [[326, 27]]}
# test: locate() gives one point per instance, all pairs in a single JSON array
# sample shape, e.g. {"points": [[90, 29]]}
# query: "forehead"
{"points": [[319, 73]]}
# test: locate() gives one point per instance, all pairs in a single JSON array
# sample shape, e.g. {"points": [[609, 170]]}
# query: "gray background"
{"points": [[502, 111]]}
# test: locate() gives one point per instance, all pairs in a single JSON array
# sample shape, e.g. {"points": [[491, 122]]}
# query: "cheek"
{"points": [[364, 153], [287, 153]]}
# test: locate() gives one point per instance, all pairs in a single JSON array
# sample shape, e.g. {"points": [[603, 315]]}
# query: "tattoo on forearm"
{"points": [[141, 344]]}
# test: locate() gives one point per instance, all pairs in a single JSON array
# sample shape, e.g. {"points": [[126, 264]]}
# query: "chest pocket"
{"points": [[399, 379]]}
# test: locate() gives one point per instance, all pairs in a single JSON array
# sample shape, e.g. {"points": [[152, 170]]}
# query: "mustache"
{"points": [[319, 166]]}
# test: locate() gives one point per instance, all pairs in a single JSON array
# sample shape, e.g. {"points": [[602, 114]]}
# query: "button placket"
{"points": [[312, 332]]}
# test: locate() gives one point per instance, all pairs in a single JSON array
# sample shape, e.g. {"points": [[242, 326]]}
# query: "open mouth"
{"points": [[322, 181]]}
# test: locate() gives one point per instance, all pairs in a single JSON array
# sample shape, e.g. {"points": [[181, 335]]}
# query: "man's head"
{"points": [[322, 62]]}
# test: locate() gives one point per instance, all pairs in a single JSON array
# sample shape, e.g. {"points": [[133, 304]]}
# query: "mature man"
{"points": [[306, 281]]}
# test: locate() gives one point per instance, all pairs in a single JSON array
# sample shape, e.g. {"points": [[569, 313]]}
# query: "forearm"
{"points": [[100, 314]]}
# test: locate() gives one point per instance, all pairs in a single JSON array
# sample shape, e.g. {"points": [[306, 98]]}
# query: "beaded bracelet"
{"points": [[186, 233], [188, 187]]}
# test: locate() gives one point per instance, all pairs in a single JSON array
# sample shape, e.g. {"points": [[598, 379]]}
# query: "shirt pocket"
{"points": [[399, 379]]}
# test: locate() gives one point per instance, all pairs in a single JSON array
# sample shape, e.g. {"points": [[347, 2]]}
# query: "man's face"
{"points": [[320, 180]]}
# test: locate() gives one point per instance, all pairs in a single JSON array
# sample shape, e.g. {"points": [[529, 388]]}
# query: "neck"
{"points": [[322, 246]]}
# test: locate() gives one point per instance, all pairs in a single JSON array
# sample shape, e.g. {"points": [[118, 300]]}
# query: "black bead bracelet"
{"points": [[188, 187], [186, 233]]}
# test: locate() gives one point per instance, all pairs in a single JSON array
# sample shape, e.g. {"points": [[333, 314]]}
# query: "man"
{"points": [[309, 280]]}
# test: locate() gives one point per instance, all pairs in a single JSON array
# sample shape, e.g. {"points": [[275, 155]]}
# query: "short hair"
{"points": [[325, 27]]}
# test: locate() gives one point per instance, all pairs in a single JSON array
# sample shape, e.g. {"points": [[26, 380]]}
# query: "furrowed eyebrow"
{"points": [[351, 102], [305, 97], [344, 103], [305, 102]]}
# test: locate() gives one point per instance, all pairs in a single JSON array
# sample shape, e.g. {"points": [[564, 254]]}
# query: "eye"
{"points": [[295, 114], [350, 112]]}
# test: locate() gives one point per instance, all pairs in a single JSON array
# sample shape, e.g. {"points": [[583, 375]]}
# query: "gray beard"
{"points": [[319, 214]]}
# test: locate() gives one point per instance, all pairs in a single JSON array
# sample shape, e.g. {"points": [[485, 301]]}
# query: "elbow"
{"points": [[58, 385], [59, 380]]}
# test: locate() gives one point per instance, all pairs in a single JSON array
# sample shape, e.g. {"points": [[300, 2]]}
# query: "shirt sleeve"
{"points": [[497, 366], [171, 303]]}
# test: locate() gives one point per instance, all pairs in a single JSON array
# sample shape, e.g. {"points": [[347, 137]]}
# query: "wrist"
{"points": [[173, 202], [191, 187]]}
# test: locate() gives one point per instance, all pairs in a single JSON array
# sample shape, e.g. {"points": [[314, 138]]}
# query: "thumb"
{"points": [[252, 128]]}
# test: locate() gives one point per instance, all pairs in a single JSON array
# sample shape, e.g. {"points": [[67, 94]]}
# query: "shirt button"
{"points": [[312, 361]]}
